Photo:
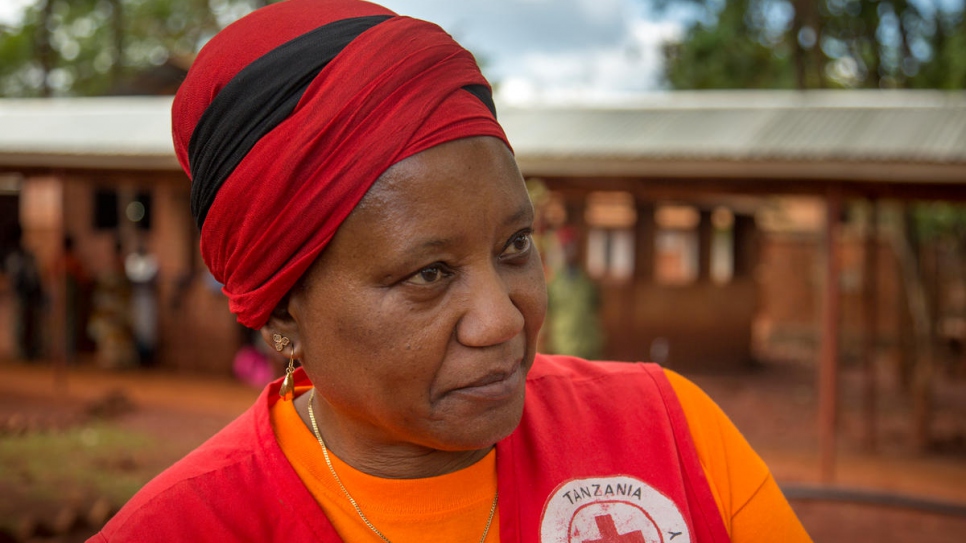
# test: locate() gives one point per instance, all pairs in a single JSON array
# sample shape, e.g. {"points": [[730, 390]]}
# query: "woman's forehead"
{"points": [[435, 195], [466, 169]]}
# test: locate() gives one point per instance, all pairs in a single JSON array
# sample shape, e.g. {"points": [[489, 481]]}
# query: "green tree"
{"points": [[729, 52], [829, 43], [88, 47]]}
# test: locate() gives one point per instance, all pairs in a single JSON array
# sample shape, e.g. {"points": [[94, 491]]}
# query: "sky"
{"points": [[556, 50], [9, 9], [543, 50]]}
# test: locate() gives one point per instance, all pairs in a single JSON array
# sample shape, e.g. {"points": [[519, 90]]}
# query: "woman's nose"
{"points": [[491, 317]]}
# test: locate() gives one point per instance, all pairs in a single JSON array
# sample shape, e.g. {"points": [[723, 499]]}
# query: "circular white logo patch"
{"points": [[618, 509]]}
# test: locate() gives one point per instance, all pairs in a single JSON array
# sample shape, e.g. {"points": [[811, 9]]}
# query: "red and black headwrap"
{"points": [[290, 114]]}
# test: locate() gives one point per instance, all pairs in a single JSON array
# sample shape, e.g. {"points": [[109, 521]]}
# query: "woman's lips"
{"points": [[494, 386]]}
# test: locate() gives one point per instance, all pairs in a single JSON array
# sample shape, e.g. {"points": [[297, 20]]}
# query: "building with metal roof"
{"points": [[886, 142], [854, 136], [706, 149]]}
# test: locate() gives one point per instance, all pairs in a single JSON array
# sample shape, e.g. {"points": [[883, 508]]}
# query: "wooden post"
{"points": [[828, 363], [745, 247], [576, 219], [644, 232], [705, 241], [871, 294]]}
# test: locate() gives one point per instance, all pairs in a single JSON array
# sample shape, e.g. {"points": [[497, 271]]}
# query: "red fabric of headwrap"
{"points": [[395, 90]]}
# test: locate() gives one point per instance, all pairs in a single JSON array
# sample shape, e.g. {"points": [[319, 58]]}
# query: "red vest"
{"points": [[603, 455]]}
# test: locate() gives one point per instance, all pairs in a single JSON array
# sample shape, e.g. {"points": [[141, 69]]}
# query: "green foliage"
{"points": [[948, 71], [725, 54], [85, 462], [936, 221], [828, 43], [88, 47]]}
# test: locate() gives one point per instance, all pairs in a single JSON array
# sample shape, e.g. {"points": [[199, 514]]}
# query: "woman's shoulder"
{"points": [[200, 487], [571, 367]]}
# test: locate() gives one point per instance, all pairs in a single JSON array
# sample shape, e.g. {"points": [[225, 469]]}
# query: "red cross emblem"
{"points": [[611, 509], [608, 532]]}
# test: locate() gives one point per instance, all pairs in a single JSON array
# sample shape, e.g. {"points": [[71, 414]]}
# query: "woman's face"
{"points": [[418, 324]]}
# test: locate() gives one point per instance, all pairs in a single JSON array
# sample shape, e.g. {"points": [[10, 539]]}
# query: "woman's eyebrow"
{"points": [[436, 243], [523, 213]]}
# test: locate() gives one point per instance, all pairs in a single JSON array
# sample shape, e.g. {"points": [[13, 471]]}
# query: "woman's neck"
{"points": [[397, 460]]}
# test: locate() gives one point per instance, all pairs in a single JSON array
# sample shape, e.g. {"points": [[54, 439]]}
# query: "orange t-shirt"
{"points": [[456, 505], [447, 508], [752, 506]]}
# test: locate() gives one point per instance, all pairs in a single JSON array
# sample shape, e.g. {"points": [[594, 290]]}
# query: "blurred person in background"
{"points": [[74, 284], [255, 363], [110, 322], [24, 278], [141, 269], [573, 304], [363, 209]]}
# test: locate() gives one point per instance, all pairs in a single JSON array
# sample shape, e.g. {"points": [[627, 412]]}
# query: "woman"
{"points": [[363, 209]]}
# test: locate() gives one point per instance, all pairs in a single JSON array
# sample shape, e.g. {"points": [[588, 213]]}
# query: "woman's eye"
{"points": [[519, 245], [428, 275]]}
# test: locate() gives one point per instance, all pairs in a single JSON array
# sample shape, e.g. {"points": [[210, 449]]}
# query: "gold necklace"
{"points": [[328, 462]]}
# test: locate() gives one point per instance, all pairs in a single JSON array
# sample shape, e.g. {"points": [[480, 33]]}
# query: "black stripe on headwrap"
{"points": [[258, 99], [483, 93]]}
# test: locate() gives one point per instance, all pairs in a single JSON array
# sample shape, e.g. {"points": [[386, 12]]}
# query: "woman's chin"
{"points": [[480, 430]]}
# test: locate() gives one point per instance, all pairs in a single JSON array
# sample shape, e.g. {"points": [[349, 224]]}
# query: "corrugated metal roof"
{"points": [[892, 126], [117, 132], [889, 127]]}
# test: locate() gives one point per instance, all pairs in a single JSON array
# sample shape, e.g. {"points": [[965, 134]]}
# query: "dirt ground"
{"points": [[73, 448]]}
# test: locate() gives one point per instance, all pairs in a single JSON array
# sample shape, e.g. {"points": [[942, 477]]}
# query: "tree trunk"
{"points": [[904, 50], [922, 375], [798, 52], [813, 57], [117, 31], [870, 291], [875, 63], [45, 52]]}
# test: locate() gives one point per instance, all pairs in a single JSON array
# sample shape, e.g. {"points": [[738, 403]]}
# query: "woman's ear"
{"points": [[281, 332]]}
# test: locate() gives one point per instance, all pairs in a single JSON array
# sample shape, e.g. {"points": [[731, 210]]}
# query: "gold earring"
{"points": [[280, 341], [287, 390]]}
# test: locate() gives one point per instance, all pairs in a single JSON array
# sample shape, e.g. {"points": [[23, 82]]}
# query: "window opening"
{"points": [[610, 217]]}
